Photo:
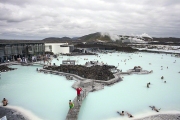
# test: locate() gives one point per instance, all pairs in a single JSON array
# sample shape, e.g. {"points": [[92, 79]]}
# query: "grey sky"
{"points": [[38, 19]]}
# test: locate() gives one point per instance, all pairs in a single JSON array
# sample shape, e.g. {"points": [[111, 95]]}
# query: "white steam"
{"points": [[145, 35], [125, 37], [112, 36]]}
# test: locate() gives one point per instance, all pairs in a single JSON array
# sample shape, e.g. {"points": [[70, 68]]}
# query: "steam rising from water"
{"points": [[112, 36], [118, 37], [145, 35]]}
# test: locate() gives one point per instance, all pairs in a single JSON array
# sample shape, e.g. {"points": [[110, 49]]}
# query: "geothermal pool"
{"points": [[45, 96]]}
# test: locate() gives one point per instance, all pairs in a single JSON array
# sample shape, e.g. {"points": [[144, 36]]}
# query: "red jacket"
{"points": [[78, 91]]}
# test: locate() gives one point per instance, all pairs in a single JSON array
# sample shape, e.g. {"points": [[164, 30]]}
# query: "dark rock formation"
{"points": [[51, 53], [94, 72], [167, 39], [77, 50], [11, 114], [107, 47], [5, 68]]}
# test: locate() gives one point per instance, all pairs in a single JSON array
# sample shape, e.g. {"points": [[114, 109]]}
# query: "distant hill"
{"points": [[56, 39], [95, 37], [75, 38], [106, 37], [87, 38]]}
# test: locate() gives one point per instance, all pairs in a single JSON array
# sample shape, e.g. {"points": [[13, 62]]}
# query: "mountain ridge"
{"points": [[98, 36]]}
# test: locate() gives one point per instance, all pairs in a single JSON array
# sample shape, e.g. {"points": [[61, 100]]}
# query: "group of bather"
{"points": [[130, 116], [122, 114], [154, 108]]}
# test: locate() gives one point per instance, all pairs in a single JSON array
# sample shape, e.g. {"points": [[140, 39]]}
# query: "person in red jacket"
{"points": [[78, 92]]}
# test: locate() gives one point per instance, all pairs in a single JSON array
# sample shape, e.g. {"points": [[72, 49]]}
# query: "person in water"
{"points": [[154, 108], [5, 102], [157, 110], [147, 85], [129, 115], [71, 105], [122, 113]]}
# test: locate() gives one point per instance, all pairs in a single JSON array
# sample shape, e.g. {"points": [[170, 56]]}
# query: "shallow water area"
{"points": [[131, 94], [47, 95]]}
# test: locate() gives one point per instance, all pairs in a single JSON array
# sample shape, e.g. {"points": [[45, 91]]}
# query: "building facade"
{"points": [[57, 48], [11, 50]]}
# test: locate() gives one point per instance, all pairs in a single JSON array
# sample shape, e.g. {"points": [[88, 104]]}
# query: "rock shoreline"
{"points": [[161, 117], [15, 115], [108, 47], [11, 114], [5, 68]]}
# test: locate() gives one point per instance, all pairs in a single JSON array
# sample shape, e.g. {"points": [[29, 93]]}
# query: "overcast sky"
{"points": [[38, 19]]}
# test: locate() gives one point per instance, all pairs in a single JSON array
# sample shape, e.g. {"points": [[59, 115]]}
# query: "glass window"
{"points": [[8, 50], [20, 47]]}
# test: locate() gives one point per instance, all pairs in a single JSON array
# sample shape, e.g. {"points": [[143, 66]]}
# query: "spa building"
{"points": [[13, 49]]}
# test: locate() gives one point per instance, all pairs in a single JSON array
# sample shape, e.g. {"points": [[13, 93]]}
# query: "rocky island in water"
{"points": [[5, 68], [94, 72]]}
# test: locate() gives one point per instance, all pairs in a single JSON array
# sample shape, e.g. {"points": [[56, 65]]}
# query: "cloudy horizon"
{"points": [[39, 19]]}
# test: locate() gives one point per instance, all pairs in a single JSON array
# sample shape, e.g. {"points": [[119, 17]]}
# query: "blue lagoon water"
{"points": [[46, 96]]}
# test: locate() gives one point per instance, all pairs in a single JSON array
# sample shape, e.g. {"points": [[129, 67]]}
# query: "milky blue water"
{"points": [[46, 95]]}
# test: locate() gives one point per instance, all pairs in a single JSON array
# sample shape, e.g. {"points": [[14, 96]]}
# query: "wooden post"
{"points": [[85, 93], [13, 58]]}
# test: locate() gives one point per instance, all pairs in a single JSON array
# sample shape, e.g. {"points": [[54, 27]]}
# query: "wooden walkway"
{"points": [[24, 64], [42, 64], [10, 63], [73, 113]]}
